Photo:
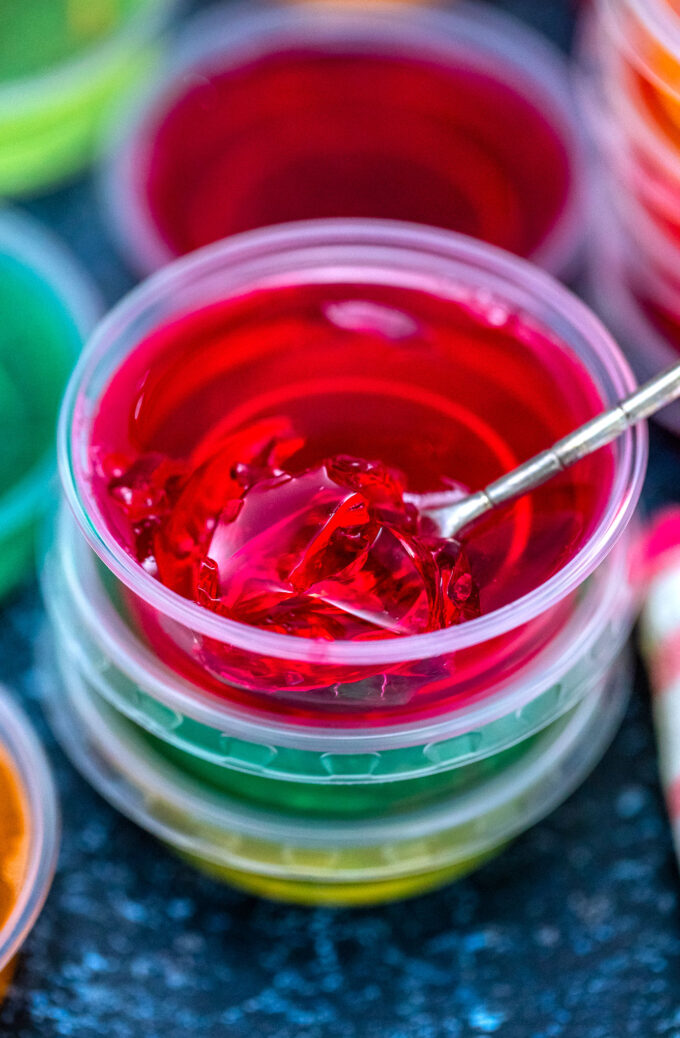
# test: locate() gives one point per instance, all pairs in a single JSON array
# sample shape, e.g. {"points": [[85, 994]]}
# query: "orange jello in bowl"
{"points": [[28, 833]]}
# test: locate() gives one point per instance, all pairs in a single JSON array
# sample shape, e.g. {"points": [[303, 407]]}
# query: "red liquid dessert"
{"points": [[329, 552], [253, 457], [344, 130]]}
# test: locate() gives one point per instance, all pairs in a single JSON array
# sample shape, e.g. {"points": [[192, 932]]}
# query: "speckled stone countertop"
{"points": [[573, 932]]}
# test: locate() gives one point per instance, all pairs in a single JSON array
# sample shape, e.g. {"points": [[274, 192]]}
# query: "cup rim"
{"points": [[34, 247], [28, 760], [30, 89], [355, 239], [229, 31]]}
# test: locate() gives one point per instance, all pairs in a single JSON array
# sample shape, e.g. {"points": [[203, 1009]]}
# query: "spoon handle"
{"points": [[649, 398]]}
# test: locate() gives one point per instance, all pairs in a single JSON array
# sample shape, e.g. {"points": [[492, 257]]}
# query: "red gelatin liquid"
{"points": [[347, 131], [253, 456], [330, 552]]}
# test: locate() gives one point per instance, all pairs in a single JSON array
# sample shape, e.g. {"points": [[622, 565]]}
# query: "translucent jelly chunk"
{"points": [[328, 552]]}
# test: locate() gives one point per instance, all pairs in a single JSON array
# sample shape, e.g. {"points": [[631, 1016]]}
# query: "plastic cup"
{"points": [[613, 288], [51, 116], [454, 665], [641, 162], [25, 756], [243, 183], [322, 769], [49, 307], [313, 861], [631, 93]]}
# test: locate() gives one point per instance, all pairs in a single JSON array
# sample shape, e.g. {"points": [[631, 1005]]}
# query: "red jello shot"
{"points": [[239, 435], [622, 100], [460, 119], [634, 283]]}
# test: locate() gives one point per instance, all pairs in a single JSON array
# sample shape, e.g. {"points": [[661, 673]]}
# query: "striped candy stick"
{"points": [[659, 567]]}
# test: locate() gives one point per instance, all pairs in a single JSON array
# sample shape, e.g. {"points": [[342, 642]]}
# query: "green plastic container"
{"points": [[319, 860], [48, 307], [63, 64]]}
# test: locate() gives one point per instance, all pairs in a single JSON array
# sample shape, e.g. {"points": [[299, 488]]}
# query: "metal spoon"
{"points": [[452, 513]]}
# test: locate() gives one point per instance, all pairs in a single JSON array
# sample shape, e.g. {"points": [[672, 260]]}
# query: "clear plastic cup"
{"points": [[322, 769], [647, 35], [612, 291], [631, 93], [312, 861], [653, 262], [630, 53], [51, 119], [51, 308], [640, 163], [452, 665], [26, 758], [617, 85], [646, 242], [467, 36]]}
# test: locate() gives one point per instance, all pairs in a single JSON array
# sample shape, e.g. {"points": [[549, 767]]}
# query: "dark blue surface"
{"points": [[573, 932]]}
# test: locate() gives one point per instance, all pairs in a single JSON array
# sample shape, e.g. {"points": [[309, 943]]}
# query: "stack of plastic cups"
{"points": [[631, 94], [335, 772]]}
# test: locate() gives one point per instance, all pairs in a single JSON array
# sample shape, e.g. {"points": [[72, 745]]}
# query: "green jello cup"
{"points": [[320, 860], [63, 64], [331, 800], [48, 306]]}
